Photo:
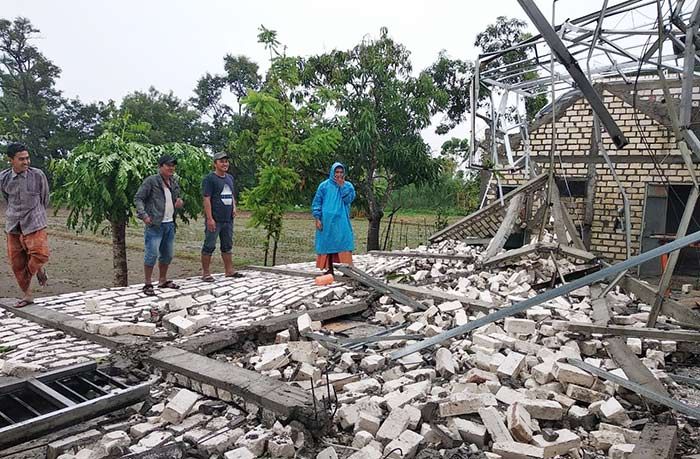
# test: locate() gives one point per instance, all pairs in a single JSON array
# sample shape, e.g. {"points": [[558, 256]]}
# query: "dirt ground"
{"points": [[77, 265]]}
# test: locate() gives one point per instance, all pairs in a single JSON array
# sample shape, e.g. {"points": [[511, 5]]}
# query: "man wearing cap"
{"points": [[156, 202], [219, 211]]}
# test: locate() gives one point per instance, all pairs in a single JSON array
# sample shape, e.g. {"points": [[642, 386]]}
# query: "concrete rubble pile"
{"points": [[504, 389], [501, 391], [207, 427]]}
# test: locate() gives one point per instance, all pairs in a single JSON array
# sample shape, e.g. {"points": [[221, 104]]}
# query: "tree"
{"points": [[27, 82], [225, 128], [289, 136], [454, 77], [170, 119], [382, 110], [503, 34], [100, 178], [241, 76], [32, 110]]}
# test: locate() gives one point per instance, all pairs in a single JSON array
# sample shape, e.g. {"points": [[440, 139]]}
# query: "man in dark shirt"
{"points": [[219, 210], [26, 191]]}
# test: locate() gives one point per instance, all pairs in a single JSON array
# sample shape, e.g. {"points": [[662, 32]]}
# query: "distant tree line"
{"points": [[365, 106]]}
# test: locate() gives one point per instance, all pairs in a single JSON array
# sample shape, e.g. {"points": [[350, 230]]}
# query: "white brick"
{"points": [[183, 325], [368, 423], [621, 451], [520, 423], [515, 450], [181, 302], [566, 441], [469, 431], [180, 406], [304, 323], [465, 403], [368, 452], [512, 365], [408, 442], [444, 363], [543, 409], [241, 453], [570, 374], [328, 453], [372, 363], [393, 425], [519, 326]]}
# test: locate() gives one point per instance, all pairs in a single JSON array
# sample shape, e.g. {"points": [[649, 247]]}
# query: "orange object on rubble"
{"points": [[324, 280]]}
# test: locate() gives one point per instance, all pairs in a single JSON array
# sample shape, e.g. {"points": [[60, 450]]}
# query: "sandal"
{"points": [[236, 274], [23, 303], [148, 290], [208, 278], [169, 284], [42, 277]]}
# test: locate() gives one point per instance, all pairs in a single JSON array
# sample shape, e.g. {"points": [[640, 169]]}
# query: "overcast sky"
{"points": [[107, 49]]}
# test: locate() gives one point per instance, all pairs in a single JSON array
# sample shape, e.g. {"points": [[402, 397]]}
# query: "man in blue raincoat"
{"points": [[331, 209]]}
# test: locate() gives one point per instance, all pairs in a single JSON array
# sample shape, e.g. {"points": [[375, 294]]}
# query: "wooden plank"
{"points": [[36, 427], [656, 441], [286, 400], [422, 292], [279, 323], [670, 307], [571, 227], [557, 215], [576, 253], [380, 286], [635, 370], [536, 220], [495, 206], [512, 254], [618, 330], [506, 227]]}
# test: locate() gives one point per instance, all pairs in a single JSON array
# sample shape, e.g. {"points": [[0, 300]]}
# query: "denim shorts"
{"points": [[224, 231], [158, 243]]}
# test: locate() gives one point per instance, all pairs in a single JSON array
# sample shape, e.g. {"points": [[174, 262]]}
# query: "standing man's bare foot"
{"points": [[42, 278]]}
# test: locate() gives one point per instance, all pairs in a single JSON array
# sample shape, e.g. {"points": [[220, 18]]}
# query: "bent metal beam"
{"points": [[564, 56]]}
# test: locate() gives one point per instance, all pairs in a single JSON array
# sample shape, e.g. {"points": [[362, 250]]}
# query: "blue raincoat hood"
{"points": [[331, 174]]}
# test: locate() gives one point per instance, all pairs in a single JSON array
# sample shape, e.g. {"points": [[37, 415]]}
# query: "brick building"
{"points": [[650, 168]]}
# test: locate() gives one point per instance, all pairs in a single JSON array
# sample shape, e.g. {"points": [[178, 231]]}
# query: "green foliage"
{"points": [[99, 179], [453, 193], [289, 137], [32, 110], [169, 119], [454, 77], [382, 109]]}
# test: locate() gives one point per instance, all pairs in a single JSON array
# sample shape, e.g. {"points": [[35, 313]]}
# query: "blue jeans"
{"points": [[158, 243], [224, 231]]}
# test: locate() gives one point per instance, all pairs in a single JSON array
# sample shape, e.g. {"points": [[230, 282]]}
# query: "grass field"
{"points": [[296, 243], [83, 261]]}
